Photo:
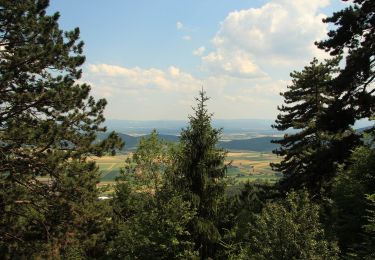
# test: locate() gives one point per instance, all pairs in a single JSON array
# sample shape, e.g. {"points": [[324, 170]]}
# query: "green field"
{"points": [[252, 166], [110, 166]]}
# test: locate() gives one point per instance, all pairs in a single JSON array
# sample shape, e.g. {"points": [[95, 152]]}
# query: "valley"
{"points": [[244, 166]]}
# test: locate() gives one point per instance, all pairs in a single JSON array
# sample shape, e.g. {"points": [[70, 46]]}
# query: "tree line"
{"points": [[171, 201]]}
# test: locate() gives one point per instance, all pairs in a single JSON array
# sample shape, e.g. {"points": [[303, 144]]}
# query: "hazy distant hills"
{"points": [[131, 142], [363, 129], [260, 144], [173, 127], [238, 134], [231, 127]]}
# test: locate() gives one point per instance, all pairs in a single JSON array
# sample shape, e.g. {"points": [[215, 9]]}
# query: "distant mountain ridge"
{"points": [[173, 127], [259, 144], [252, 127]]}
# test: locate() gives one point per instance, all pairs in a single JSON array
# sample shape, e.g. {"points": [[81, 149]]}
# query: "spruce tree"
{"points": [[48, 125], [199, 174], [310, 156]]}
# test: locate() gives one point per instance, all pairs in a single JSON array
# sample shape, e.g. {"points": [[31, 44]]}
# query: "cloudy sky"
{"points": [[150, 58]]}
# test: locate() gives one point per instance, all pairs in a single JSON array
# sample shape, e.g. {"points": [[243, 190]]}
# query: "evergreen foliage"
{"points": [[170, 201], [354, 37], [48, 125], [368, 251], [199, 174], [310, 157]]}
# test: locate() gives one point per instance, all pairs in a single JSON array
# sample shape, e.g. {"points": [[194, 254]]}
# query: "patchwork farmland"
{"points": [[252, 166]]}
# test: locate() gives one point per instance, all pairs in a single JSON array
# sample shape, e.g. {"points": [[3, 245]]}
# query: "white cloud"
{"points": [[280, 33], [118, 78], [179, 25], [253, 52], [186, 37], [155, 93], [199, 51], [142, 93], [237, 64], [173, 71]]}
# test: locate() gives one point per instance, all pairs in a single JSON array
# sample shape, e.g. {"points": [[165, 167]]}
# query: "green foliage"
{"points": [[199, 175], [289, 229], [154, 229], [149, 161], [368, 251], [354, 36], [250, 202], [170, 201], [150, 220], [370, 226], [310, 157], [350, 204], [48, 125], [236, 213]]}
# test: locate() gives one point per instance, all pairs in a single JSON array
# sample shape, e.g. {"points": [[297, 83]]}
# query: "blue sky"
{"points": [[150, 58]]}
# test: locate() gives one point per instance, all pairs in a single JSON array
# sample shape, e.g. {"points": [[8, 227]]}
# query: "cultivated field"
{"points": [[110, 166], [252, 166]]}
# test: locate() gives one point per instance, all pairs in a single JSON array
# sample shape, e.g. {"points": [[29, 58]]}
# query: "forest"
{"points": [[172, 201]]}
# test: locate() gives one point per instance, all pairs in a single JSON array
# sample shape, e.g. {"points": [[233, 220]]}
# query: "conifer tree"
{"points": [[311, 155], [47, 130], [199, 175], [353, 37]]}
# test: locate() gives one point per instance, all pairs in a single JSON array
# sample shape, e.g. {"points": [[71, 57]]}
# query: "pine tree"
{"points": [[199, 175], [48, 125], [353, 37], [310, 156]]}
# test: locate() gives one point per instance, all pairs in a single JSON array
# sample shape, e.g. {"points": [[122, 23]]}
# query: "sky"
{"points": [[149, 59]]}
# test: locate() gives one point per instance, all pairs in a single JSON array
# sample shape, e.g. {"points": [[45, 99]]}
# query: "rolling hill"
{"points": [[260, 144]]}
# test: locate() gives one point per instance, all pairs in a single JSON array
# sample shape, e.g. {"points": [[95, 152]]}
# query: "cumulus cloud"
{"points": [[252, 54], [199, 51], [237, 63], [142, 93], [279, 33], [179, 25], [186, 38], [118, 78], [150, 89]]}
